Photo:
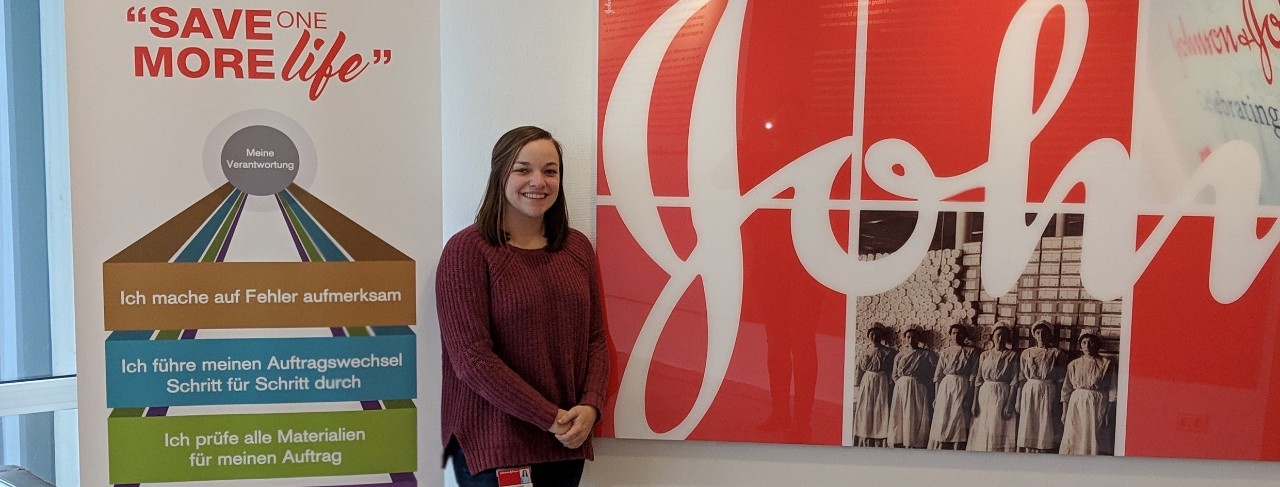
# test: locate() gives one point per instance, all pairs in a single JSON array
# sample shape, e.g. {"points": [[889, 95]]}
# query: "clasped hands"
{"points": [[573, 427]]}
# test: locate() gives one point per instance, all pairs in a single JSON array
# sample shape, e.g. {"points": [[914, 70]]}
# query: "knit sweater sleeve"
{"points": [[462, 304], [597, 380]]}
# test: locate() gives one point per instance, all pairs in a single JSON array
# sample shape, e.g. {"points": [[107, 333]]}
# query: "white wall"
{"points": [[505, 64]]}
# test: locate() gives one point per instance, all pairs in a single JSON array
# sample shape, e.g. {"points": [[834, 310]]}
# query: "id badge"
{"points": [[515, 477]]}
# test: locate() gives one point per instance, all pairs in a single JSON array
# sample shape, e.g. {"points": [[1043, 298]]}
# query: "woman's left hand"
{"points": [[580, 419]]}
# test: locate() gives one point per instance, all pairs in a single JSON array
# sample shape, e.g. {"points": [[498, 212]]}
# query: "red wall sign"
{"points": [[783, 184]]}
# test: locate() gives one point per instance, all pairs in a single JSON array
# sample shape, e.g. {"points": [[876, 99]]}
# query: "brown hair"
{"points": [[914, 336], [1008, 335], [878, 333], [555, 223], [1048, 330], [1097, 342]]}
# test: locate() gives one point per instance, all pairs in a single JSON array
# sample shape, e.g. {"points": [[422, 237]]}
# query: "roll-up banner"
{"points": [[1017, 225], [249, 224]]}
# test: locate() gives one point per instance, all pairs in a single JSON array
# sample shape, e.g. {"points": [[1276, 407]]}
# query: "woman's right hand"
{"points": [[560, 426], [579, 420]]}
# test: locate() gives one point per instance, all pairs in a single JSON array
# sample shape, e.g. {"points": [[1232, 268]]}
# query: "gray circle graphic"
{"points": [[260, 160]]}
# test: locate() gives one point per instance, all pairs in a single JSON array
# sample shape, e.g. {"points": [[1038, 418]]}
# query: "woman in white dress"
{"points": [[911, 407], [952, 404], [994, 425], [1039, 413], [1088, 391], [871, 377]]}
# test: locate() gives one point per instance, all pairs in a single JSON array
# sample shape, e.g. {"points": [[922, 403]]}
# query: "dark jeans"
{"points": [[550, 474]]}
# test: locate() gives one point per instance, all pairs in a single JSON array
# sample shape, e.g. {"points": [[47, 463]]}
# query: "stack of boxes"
{"points": [[929, 299], [1050, 290], [947, 289]]}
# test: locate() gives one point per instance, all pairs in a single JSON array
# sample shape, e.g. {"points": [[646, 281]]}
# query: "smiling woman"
{"points": [[509, 201], [525, 364], [532, 187]]}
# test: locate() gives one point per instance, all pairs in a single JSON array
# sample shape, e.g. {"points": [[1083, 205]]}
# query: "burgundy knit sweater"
{"points": [[523, 336]]}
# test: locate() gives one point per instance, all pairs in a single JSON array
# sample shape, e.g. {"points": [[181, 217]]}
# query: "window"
{"points": [[37, 339]]}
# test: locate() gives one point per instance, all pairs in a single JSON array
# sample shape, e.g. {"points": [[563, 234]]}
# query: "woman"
{"points": [[521, 326], [953, 381], [1041, 369], [871, 377], [1087, 393], [994, 426], [910, 409]]}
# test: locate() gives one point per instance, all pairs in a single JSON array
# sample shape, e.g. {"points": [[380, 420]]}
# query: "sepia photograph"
{"points": [[942, 364]]}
